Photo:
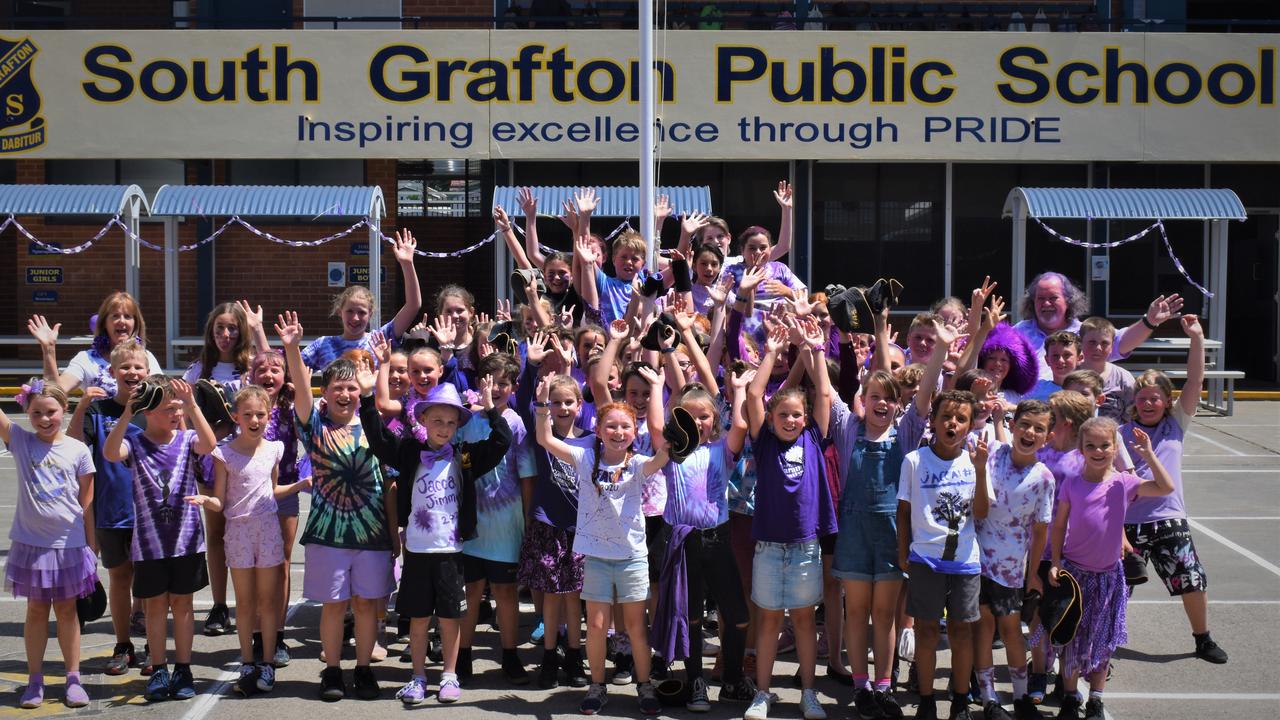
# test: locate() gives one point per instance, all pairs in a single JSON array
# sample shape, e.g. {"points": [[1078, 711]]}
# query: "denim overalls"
{"points": [[867, 545]]}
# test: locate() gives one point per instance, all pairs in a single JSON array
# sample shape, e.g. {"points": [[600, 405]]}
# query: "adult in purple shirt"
{"points": [[1052, 303]]}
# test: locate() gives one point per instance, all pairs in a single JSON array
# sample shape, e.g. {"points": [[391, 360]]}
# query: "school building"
{"points": [[903, 127]]}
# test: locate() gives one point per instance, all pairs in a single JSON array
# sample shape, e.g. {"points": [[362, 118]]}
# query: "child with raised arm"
{"points": [[119, 320], [349, 542], [436, 509], [937, 544], [168, 549], [793, 509], [51, 542], [1087, 538], [96, 414], [1097, 335], [1012, 535], [1157, 527], [611, 534], [354, 306]]}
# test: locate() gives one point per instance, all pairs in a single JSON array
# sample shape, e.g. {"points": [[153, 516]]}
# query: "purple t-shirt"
{"points": [[1166, 440], [1095, 526], [165, 525], [793, 500], [698, 488], [48, 512]]}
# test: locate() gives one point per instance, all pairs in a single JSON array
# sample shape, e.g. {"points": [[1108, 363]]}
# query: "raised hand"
{"points": [[405, 246], [444, 331], [544, 388], [366, 378], [485, 389], [813, 335], [719, 292], [947, 336], [661, 210], [692, 222], [528, 203], [288, 328], [92, 393], [742, 380], [619, 330], [252, 316], [1191, 326], [777, 339], [583, 248], [783, 195], [536, 350], [653, 377], [500, 218], [586, 200], [751, 277], [569, 216], [381, 348], [1142, 443], [564, 318], [1164, 308], [978, 453], [182, 391], [502, 312], [39, 328]]}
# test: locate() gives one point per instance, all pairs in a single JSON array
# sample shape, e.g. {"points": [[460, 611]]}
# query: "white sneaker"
{"points": [[759, 709], [810, 706]]}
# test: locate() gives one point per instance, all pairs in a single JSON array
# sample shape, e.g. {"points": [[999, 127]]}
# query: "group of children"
{"points": [[644, 441]]}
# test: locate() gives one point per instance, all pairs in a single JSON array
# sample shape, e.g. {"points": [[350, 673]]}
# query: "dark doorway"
{"points": [[1253, 272]]}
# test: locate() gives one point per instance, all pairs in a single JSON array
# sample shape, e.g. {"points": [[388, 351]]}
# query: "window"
{"points": [[880, 220], [439, 188]]}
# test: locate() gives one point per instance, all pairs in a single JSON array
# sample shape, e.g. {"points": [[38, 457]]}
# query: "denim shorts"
{"points": [[867, 547], [786, 576], [611, 581]]}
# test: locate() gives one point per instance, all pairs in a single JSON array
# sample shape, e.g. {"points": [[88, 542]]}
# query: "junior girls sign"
{"points": [[741, 95]]}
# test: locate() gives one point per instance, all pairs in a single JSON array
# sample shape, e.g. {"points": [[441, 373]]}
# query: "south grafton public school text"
{"points": [[405, 73]]}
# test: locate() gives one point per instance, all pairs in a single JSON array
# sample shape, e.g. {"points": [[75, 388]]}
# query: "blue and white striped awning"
{"points": [[269, 200], [69, 199], [1128, 203], [615, 201]]}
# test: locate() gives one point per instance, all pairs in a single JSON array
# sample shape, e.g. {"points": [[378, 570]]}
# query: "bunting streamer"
{"points": [[1157, 225]]}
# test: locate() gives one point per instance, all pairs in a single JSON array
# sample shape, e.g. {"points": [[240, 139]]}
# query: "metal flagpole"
{"points": [[646, 134]]}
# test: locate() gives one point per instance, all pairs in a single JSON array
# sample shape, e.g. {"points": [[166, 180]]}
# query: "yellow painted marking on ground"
{"points": [[105, 691]]}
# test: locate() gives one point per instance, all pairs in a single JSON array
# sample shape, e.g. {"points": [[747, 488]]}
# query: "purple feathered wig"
{"points": [[1024, 367]]}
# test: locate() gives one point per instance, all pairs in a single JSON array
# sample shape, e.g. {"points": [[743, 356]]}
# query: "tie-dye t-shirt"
{"points": [[165, 526], [347, 509], [698, 488], [499, 507], [1021, 498]]}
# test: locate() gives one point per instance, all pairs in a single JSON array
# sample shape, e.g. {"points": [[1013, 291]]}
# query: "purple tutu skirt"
{"points": [[1103, 597], [50, 574], [547, 561]]}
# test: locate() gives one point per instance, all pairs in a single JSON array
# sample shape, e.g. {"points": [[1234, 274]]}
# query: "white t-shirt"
{"points": [[223, 372], [93, 370], [1021, 497], [941, 496], [610, 519], [433, 513]]}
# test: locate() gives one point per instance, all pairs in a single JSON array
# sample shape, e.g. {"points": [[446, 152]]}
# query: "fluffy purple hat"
{"points": [[1024, 367]]}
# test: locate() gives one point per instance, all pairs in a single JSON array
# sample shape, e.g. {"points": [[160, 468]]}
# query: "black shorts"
{"points": [[114, 545], [1000, 600], [929, 593], [431, 584], [182, 575], [475, 569], [1168, 546]]}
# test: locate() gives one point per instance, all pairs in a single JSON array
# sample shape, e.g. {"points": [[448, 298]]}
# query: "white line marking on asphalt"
{"points": [[1202, 529], [1232, 471], [1111, 695], [1233, 517], [1215, 443], [205, 702], [1211, 602]]}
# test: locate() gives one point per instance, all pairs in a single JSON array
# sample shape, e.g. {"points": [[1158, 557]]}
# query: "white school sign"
{"points": [[572, 94]]}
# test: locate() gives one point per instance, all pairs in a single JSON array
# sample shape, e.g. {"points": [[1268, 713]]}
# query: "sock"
{"points": [[181, 666], [883, 684], [421, 678], [510, 654], [73, 678], [987, 684], [37, 679], [860, 682], [1200, 638], [1095, 694], [1018, 675], [448, 676]]}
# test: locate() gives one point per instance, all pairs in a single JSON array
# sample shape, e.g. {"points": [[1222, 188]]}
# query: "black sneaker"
{"points": [[218, 621], [927, 709], [1037, 684], [888, 705], [1059, 691], [332, 686], [864, 703], [913, 682], [1093, 710], [743, 691], [246, 679], [574, 672], [366, 684], [597, 697], [549, 671], [1070, 709], [995, 711], [514, 669], [959, 708], [1208, 650], [464, 666], [1025, 709], [622, 669]]}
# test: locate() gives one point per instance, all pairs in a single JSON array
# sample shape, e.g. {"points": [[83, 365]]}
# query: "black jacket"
{"points": [[475, 459]]}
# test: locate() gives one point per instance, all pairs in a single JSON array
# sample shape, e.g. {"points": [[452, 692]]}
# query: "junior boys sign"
{"points": [[527, 94]]}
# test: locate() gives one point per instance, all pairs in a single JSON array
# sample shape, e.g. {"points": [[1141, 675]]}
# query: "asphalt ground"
{"points": [[1232, 486]]}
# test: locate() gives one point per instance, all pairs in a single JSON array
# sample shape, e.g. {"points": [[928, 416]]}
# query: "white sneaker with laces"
{"points": [[759, 709]]}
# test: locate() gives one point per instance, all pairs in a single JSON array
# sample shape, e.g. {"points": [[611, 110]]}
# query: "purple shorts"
{"points": [[338, 574]]}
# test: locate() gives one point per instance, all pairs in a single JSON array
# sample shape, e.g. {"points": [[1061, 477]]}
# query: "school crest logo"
{"points": [[21, 127]]}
